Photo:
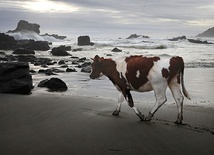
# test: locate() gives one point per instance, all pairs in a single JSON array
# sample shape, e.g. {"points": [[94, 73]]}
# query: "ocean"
{"points": [[198, 58]]}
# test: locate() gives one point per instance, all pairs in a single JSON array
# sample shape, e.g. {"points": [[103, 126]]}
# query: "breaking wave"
{"points": [[27, 35]]}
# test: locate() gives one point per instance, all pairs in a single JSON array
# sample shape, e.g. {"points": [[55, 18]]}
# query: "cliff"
{"points": [[207, 33]]}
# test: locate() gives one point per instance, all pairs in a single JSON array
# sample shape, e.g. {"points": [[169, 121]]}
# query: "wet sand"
{"points": [[58, 125]]}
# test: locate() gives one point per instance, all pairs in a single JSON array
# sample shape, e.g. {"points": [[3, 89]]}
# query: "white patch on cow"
{"points": [[121, 66], [138, 74], [146, 87], [155, 74]]}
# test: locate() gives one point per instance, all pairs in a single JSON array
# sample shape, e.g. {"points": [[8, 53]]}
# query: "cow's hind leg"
{"points": [[131, 104], [176, 92], [160, 94], [120, 101]]}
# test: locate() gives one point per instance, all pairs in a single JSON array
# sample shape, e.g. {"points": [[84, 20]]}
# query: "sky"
{"points": [[114, 18]]}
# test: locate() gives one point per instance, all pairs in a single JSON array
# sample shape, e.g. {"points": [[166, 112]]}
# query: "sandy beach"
{"points": [[54, 124]]}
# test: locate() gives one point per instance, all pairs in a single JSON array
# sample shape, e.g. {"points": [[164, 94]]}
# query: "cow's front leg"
{"points": [[120, 101], [131, 104]]}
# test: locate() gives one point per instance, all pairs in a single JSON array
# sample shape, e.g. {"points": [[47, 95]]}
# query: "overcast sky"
{"points": [[118, 18]]}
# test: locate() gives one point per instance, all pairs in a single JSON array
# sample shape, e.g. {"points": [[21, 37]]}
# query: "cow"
{"points": [[142, 74]]}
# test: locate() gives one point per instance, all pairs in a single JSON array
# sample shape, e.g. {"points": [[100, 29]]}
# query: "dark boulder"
{"points": [[7, 42], [71, 70], [25, 26], [61, 62], [33, 45], [60, 51], [54, 84], [23, 51], [116, 50], [84, 40], [15, 78]]}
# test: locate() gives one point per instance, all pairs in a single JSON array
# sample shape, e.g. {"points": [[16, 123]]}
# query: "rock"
{"points": [[43, 83], [56, 36], [86, 69], [85, 64], [61, 62], [25, 26], [54, 84], [59, 51], [82, 59], [23, 51], [7, 42], [71, 70], [116, 50], [84, 40], [15, 78], [51, 71], [198, 41], [2, 53], [132, 36], [33, 45], [178, 38], [64, 66], [77, 49], [208, 33]]}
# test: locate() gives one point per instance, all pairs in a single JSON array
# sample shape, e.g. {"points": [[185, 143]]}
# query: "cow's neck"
{"points": [[109, 70], [108, 66]]}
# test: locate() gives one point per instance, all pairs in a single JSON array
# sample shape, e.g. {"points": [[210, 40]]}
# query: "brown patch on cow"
{"points": [[141, 64], [109, 69], [165, 73], [174, 69]]}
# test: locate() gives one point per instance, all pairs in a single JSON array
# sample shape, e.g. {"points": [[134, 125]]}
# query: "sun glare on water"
{"points": [[48, 6]]}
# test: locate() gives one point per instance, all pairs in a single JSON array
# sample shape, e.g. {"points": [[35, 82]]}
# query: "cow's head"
{"points": [[96, 70]]}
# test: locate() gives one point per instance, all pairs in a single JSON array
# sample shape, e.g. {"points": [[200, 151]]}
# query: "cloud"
{"points": [[112, 16]]}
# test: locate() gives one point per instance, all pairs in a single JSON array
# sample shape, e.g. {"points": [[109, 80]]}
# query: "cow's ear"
{"points": [[96, 57]]}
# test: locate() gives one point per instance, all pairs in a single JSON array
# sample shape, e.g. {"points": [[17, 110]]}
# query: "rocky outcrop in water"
{"points": [[15, 78], [178, 38], [116, 50], [207, 33], [84, 40], [25, 26], [132, 36], [9, 43], [197, 41]]}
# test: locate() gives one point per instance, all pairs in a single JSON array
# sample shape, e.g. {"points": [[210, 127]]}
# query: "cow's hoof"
{"points": [[178, 122], [148, 118], [116, 112], [142, 118]]}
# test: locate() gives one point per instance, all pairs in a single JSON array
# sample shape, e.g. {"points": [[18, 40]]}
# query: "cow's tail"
{"points": [[181, 62]]}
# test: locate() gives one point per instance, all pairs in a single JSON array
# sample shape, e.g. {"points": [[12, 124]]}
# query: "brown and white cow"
{"points": [[143, 74]]}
